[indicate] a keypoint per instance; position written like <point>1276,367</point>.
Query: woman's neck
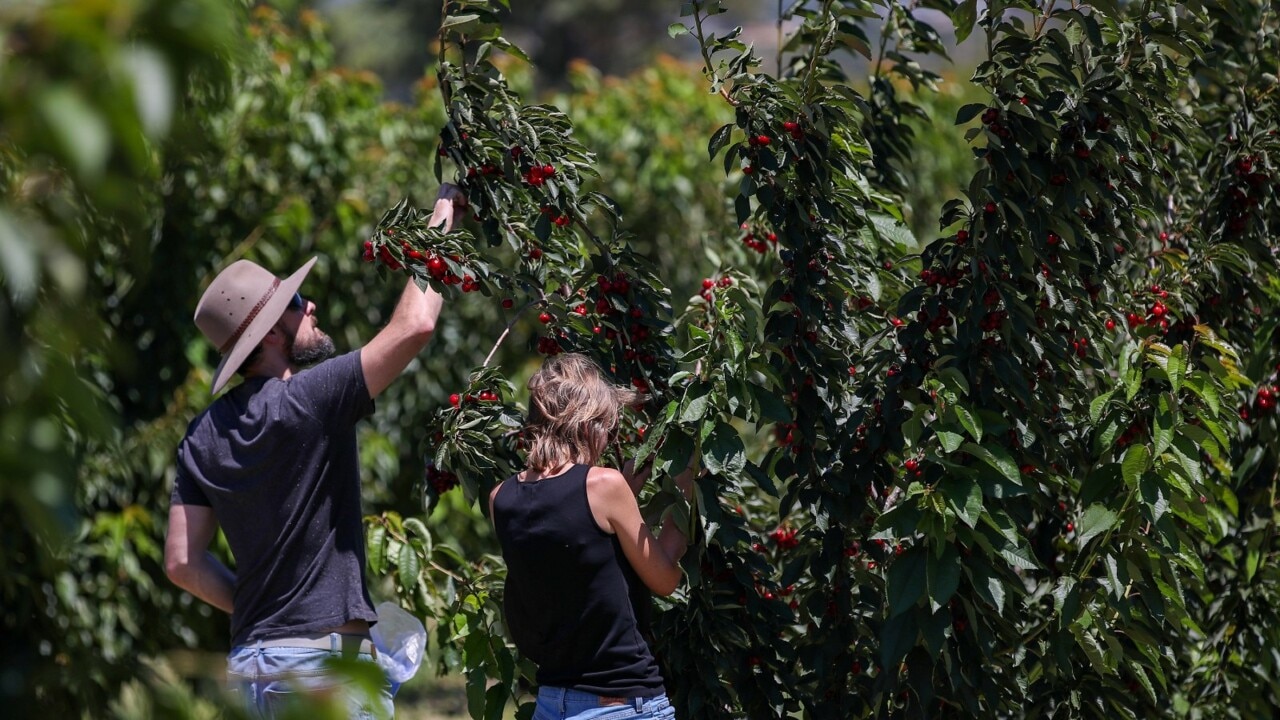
<point>559,469</point>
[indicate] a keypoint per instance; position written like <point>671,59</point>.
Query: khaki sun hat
<point>240,307</point>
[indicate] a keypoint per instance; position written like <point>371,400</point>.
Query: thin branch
<point>542,298</point>
<point>706,56</point>
<point>778,70</point>
<point>1044,18</point>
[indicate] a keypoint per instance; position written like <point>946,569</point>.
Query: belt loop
<point>639,703</point>
<point>333,642</point>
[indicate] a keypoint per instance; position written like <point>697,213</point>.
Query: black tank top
<point>573,603</point>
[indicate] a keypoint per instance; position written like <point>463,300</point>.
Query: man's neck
<point>279,371</point>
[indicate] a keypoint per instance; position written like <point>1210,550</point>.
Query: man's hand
<point>448,202</point>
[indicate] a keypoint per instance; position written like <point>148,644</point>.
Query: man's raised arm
<point>414,320</point>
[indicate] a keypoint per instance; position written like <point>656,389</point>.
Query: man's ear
<point>274,336</point>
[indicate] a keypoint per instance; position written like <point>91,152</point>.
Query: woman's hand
<point>685,479</point>
<point>636,478</point>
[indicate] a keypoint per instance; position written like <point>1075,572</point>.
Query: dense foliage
<point>1022,465</point>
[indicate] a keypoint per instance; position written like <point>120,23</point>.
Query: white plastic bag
<point>401,641</point>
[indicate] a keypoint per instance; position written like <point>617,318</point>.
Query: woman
<point>580,558</point>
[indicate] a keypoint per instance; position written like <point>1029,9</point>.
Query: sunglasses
<point>296,302</point>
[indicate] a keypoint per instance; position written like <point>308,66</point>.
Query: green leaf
<point>771,407</point>
<point>152,87</point>
<point>897,637</point>
<point>20,240</point>
<point>697,402</point>
<point>905,581</point>
<point>969,112</point>
<point>1099,404</point>
<point>675,30</point>
<point>408,565</point>
<point>376,543</point>
<point>998,458</point>
<point>943,576</point>
<point>1176,367</point>
<point>718,139</point>
<point>963,17</point>
<point>1097,519</point>
<point>477,681</point>
<point>964,496</point>
<point>971,423</point>
<point>954,379</point>
<point>950,440</point>
<point>458,22</point>
<point>1019,557</point>
<point>495,701</point>
<point>1162,430</point>
<point>911,430</point>
<point>82,132</point>
<point>1135,462</point>
<point>893,230</point>
<point>723,451</point>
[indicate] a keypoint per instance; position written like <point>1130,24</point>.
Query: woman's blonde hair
<point>573,411</point>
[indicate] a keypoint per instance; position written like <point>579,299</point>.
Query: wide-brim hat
<point>240,307</point>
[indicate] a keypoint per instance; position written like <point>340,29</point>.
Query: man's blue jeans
<point>269,680</point>
<point>566,704</point>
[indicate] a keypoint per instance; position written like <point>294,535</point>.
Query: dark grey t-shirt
<point>277,462</point>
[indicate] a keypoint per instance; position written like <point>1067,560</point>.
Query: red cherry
<point>708,283</point>
<point>1111,324</point>
<point>911,464</point>
<point>748,170</point>
<point>962,236</point>
<point>544,317</point>
<point>548,170</point>
<point>535,253</point>
<point>455,399</point>
<point>508,303</point>
<point>990,207</point>
<point>1071,527</point>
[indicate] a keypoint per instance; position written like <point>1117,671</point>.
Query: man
<point>274,462</point>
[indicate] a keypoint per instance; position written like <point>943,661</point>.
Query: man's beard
<point>319,348</point>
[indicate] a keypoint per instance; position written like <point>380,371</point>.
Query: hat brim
<point>261,325</point>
